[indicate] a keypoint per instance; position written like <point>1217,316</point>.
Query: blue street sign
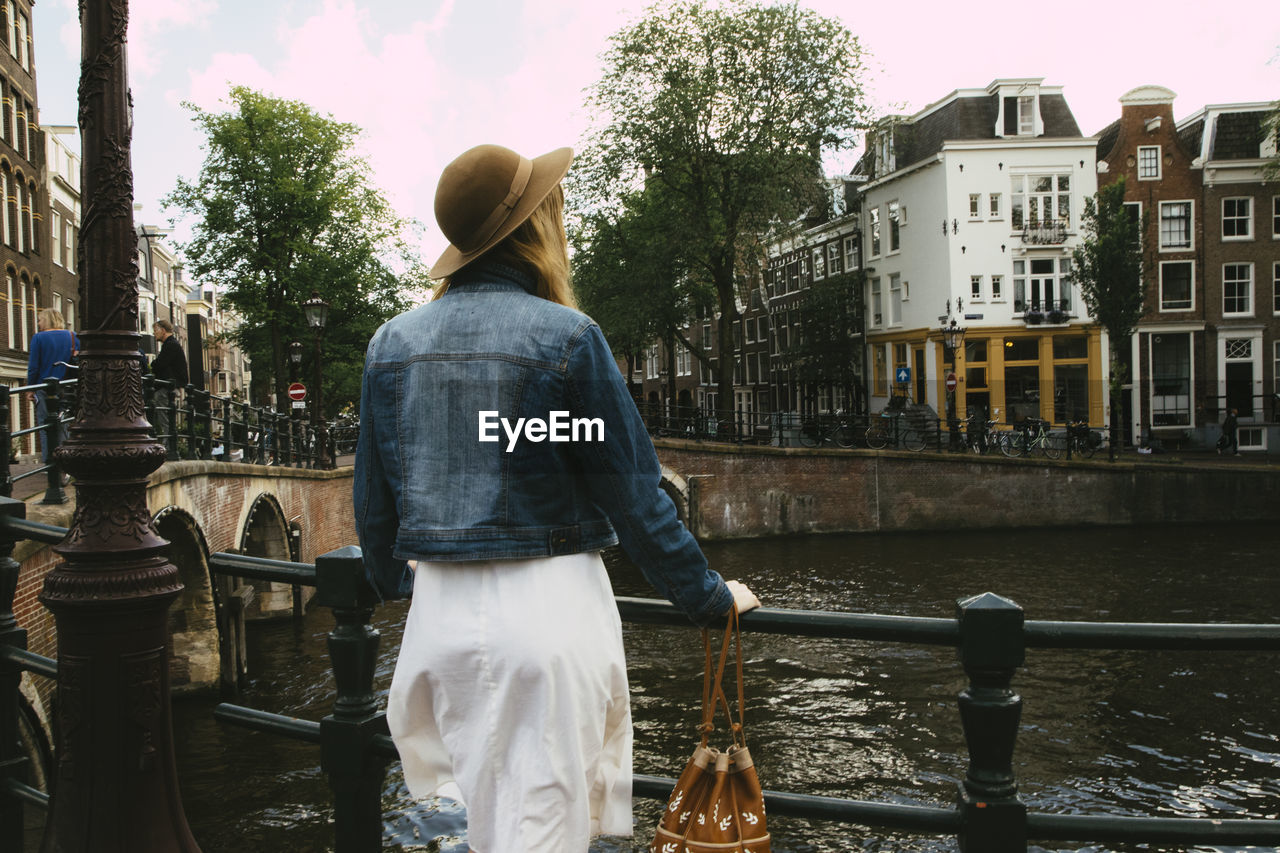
<point>903,375</point>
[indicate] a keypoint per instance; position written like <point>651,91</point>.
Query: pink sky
<point>429,78</point>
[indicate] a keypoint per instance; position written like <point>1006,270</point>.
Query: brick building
<point>1210,336</point>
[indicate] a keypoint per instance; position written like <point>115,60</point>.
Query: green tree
<point>727,109</point>
<point>828,351</point>
<point>1109,272</point>
<point>1271,127</point>
<point>284,208</point>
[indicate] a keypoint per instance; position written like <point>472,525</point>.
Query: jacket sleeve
<point>624,478</point>
<point>377,518</point>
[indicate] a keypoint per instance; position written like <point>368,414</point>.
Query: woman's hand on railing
<point>743,597</point>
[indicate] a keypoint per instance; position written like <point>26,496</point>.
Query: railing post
<point>355,773</point>
<point>991,649</point>
<point>189,399</point>
<point>228,437</point>
<point>13,763</point>
<point>206,417</point>
<point>6,482</point>
<point>53,493</point>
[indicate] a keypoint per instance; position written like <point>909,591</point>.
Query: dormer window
<point>1019,110</point>
<point>1026,115</point>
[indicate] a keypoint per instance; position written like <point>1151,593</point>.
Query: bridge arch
<point>265,533</point>
<point>677,487</point>
<point>196,624</point>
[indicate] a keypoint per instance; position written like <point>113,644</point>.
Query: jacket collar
<point>491,275</point>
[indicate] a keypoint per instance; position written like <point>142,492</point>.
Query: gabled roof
<point>1237,136</point>
<point>972,117</point>
<point>1107,138</point>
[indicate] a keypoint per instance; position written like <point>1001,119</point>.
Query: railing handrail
<point>988,631</point>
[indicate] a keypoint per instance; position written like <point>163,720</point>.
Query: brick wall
<point>740,493</point>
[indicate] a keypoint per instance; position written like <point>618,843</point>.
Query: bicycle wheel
<point>845,436</point>
<point>1052,443</point>
<point>877,436</point>
<point>1084,449</point>
<point>1011,444</point>
<point>914,439</point>
<point>810,434</point>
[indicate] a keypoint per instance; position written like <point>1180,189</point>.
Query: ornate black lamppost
<point>952,340</point>
<point>116,787</point>
<point>317,311</point>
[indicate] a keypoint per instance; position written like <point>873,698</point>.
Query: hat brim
<point>548,171</point>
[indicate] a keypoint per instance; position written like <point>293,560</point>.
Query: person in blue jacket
<point>53,346</point>
<point>499,453</point>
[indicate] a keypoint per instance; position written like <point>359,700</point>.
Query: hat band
<point>500,213</point>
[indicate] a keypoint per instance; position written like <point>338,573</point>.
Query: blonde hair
<point>540,248</point>
<point>51,318</point>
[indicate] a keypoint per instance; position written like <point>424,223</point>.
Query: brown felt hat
<point>486,194</point>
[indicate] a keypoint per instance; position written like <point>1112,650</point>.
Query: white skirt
<point>510,694</point>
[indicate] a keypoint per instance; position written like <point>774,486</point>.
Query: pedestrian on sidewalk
<point>169,366</point>
<point>1230,427</point>
<point>53,347</point>
<point>510,690</point>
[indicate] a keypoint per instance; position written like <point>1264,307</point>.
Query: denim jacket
<point>468,366</point>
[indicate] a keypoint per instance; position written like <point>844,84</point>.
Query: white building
<point>972,209</point>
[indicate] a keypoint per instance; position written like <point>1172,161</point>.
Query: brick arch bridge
<point>203,508</point>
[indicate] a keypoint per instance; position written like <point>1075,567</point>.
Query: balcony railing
<point>1051,233</point>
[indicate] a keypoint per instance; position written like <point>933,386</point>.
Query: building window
<point>1276,367</point>
<point>895,300</point>
<point>69,246</point>
<point>819,264</point>
<point>850,253</point>
<point>879,374</point>
<point>997,288</point>
<point>1042,285</point>
<point>14,310</point>
<point>876,316</point>
<point>1148,162</point>
<point>24,51</point>
<point>1275,217</point>
<point>895,227</point>
<point>1026,115</point>
<point>1237,219</point>
<point>1171,380</point>
<point>652,363</point>
<point>56,234</point>
<point>1175,285</point>
<point>993,206</point>
<point>833,258</point>
<point>975,288</point>
<point>1237,289</point>
<point>1041,200</point>
<point>873,216</point>
<point>975,205</point>
<point>1275,287</point>
<point>1175,225</point>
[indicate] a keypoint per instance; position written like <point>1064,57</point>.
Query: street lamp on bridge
<point>952,339</point>
<point>317,312</point>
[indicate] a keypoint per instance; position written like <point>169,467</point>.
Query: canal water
<point>1103,732</point>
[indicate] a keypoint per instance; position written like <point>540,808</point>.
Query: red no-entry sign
<point>298,392</point>
<point>951,382</point>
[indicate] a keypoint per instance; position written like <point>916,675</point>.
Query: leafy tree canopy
<point>728,108</point>
<point>284,208</point>
<point>1109,273</point>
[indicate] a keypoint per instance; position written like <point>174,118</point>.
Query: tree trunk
<point>724,377</point>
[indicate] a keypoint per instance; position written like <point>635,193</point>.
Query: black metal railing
<point>189,422</point>
<point>988,631</point>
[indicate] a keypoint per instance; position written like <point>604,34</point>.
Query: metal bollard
<point>991,649</point>
<point>355,773</point>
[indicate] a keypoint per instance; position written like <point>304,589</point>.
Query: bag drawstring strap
<point>713,690</point>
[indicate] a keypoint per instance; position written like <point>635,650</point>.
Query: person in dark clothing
<point>169,366</point>
<point>52,348</point>
<point>1230,443</point>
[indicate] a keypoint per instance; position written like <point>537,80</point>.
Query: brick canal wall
<point>765,491</point>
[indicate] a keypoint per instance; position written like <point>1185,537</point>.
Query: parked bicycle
<point>888,429</point>
<point>1083,440</point>
<point>817,431</point>
<point>1030,436</point>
